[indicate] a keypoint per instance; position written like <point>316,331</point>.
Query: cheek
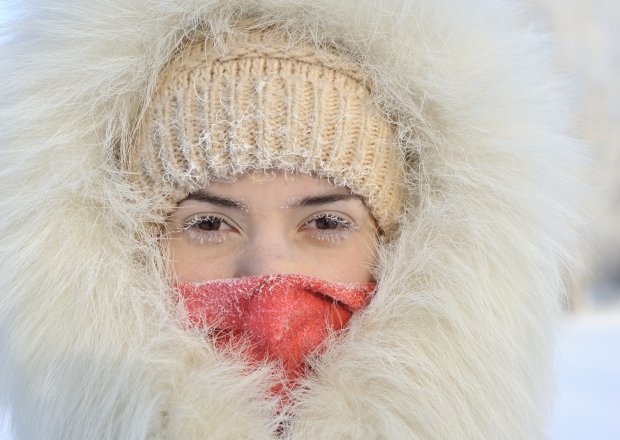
<point>191,264</point>
<point>361,262</point>
<point>351,263</point>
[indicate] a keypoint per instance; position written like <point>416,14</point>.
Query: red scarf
<point>283,317</point>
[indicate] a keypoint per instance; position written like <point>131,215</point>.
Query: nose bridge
<point>265,254</point>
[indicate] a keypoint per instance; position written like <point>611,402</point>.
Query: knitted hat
<point>265,104</point>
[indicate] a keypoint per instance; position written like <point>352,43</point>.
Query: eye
<point>329,226</point>
<point>209,224</point>
<point>208,228</point>
<point>328,222</point>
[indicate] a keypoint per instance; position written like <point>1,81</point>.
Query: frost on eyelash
<point>205,237</point>
<point>333,236</point>
<point>201,237</point>
<point>195,220</point>
<point>333,217</point>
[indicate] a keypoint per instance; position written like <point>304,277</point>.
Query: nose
<point>266,255</point>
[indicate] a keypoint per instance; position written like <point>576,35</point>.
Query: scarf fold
<point>281,318</point>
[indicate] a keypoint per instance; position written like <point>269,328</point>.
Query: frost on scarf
<point>282,317</point>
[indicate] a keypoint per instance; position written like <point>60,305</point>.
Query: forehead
<point>275,184</point>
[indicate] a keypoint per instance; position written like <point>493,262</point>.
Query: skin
<point>272,223</point>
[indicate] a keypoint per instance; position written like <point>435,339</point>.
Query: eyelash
<point>202,236</point>
<point>343,229</point>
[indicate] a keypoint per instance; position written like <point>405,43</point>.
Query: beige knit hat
<point>265,104</point>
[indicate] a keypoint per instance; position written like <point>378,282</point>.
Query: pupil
<point>326,223</point>
<point>212,224</point>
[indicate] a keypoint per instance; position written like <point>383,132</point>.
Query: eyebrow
<point>216,200</point>
<point>306,201</point>
<point>324,199</point>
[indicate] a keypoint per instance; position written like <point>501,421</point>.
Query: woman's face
<point>265,224</point>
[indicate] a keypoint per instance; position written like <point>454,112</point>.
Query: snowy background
<point>587,34</point>
<point>588,378</point>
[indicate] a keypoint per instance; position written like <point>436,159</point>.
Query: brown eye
<point>327,222</point>
<point>328,227</point>
<point>209,224</point>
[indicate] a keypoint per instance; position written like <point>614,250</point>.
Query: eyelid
<point>201,236</point>
<point>346,226</point>
<point>339,218</point>
<point>205,237</point>
<point>193,220</point>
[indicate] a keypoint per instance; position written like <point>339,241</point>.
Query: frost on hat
<point>266,104</point>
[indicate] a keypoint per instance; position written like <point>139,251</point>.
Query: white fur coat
<point>455,345</point>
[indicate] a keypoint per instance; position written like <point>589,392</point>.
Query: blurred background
<point>587,38</point>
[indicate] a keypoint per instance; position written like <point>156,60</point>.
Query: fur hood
<point>457,343</point>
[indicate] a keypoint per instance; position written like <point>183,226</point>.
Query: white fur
<point>457,342</point>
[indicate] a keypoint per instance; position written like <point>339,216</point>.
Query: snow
<point>587,405</point>
<point>5,433</point>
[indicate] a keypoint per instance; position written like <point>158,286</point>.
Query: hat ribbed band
<point>298,109</point>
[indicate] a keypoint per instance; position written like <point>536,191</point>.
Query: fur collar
<point>455,345</point>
